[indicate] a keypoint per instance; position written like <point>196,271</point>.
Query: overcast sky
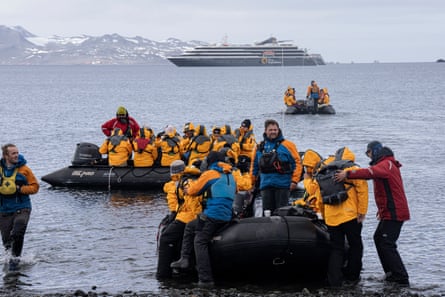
<point>340,30</point>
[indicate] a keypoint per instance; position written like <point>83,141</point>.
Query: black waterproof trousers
<point>385,238</point>
<point>169,248</point>
<point>13,228</point>
<point>350,230</point>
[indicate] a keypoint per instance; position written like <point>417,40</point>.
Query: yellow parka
<point>118,148</point>
<point>227,139</point>
<point>246,141</point>
<point>289,97</point>
<point>324,97</point>
<point>199,146</point>
<point>169,144</point>
<point>311,160</point>
<point>187,207</point>
<point>357,202</point>
<point>145,152</point>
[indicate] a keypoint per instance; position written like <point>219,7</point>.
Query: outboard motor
<point>86,154</point>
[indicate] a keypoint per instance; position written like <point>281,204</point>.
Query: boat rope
<point>144,174</point>
<point>109,179</point>
<point>152,169</point>
<point>282,258</point>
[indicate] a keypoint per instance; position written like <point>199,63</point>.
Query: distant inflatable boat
<point>303,108</point>
<point>83,173</point>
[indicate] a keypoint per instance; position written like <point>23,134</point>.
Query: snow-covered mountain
<point>20,47</point>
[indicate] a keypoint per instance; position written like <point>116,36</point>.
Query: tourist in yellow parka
<point>145,152</point>
<point>183,209</point>
<point>118,148</point>
<point>199,146</point>
<point>311,159</point>
<point>169,144</point>
<point>247,143</point>
<point>324,97</point>
<point>289,97</point>
<point>344,221</point>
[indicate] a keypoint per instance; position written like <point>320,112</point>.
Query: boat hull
<point>274,247</point>
<point>106,177</point>
<point>303,109</point>
<point>245,61</point>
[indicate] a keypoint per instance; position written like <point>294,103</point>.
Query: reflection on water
<point>122,199</point>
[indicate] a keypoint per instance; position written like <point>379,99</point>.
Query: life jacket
<point>333,192</point>
<point>143,140</point>
<point>270,162</point>
<point>246,136</point>
<point>8,185</point>
<point>173,144</point>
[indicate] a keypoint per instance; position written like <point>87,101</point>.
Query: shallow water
<point>78,239</point>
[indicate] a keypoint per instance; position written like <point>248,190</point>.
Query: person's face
<point>122,119</point>
<point>272,131</point>
<point>12,155</point>
<point>369,154</point>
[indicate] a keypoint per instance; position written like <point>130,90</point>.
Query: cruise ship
<point>269,52</point>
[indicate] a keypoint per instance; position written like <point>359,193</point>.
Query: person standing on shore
<point>392,207</point>
<point>277,165</point>
<point>17,183</point>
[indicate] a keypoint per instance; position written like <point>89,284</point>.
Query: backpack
<point>269,162</point>
<point>333,192</point>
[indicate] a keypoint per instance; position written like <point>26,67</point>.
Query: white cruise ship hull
<point>268,53</point>
<point>245,61</point>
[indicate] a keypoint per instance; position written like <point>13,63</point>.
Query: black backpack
<point>331,191</point>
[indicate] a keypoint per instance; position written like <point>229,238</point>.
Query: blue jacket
<point>275,179</point>
<point>222,188</point>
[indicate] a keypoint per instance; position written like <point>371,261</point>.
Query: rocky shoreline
<point>232,292</point>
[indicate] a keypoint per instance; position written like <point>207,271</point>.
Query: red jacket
<point>110,125</point>
<point>389,193</point>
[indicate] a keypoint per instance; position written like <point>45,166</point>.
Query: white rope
<point>109,179</point>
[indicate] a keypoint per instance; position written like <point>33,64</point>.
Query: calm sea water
<point>78,239</point>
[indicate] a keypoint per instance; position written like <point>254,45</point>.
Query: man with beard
<point>277,164</point>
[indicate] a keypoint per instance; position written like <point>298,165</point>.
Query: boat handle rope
<point>142,175</point>
<point>282,259</point>
<point>109,178</point>
<point>152,169</point>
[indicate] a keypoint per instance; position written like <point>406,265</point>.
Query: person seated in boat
<point>311,160</point>
<point>128,125</point>
<point>242,205</point>
<point>168,144</point>
<point>227,139</point>
<point>188,133</point>
<point>247,143</point>
<point>118,148</point>
<point>216,133</point>
<point>289,97</point>
<point>324,97</point>
<point>144,151</point>
<point>183,209</point>
<point>344,208</point>
<point>313,91</point>
<point>198,148</point>
<point>220,185</point>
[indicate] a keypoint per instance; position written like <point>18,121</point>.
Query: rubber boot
<point>182,263</point>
